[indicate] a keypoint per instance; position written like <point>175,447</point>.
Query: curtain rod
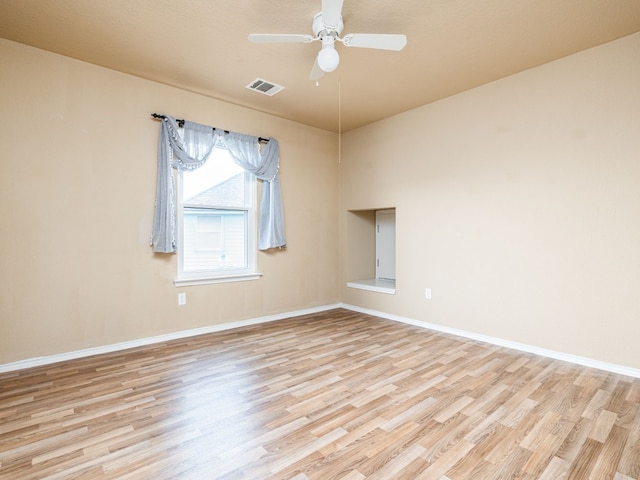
<point>180,123</point>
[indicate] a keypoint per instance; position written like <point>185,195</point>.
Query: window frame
<point>206,276</point>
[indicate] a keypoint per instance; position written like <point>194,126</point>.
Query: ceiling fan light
<point>328,58</point>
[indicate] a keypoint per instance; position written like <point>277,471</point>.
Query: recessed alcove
<point>370,263</point>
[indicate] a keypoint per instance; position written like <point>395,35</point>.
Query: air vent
<point>262,86</point>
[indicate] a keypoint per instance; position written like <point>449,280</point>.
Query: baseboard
<point>566,357</point>
<point>40,361</point>
<point>587,362</point>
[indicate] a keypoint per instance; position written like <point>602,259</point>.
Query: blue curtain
<point>245,150</point>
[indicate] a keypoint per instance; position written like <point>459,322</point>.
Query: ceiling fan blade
<point>380,41</point>
<point>331,12</point>
<point>279,38</point>
<point>316,71</point>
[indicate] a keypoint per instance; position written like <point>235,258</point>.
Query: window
<point>216,222</point>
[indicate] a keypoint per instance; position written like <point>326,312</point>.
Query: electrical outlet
<point>427,293</point>
<point>182,298</point>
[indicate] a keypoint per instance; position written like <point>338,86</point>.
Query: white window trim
<point>219,279</point>
<point>209,277</point>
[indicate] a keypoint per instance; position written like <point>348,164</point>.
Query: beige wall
<point>77,190</point>
<point>517,203</point>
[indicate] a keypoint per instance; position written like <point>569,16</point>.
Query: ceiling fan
<point>327,26</point>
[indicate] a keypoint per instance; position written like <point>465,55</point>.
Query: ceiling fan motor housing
<point>320,29</point>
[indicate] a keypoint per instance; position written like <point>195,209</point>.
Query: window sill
<point>184,282</point>
<point>375,285</point>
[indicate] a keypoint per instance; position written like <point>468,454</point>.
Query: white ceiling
<point>202,46</point>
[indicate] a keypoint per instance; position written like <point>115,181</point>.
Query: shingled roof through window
<point>228,193</point>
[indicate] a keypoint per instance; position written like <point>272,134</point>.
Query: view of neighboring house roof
<point>228,193</point>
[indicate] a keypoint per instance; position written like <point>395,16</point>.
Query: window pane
<point>209,232</point>
<point>214,239</point>
<point>218,183</point>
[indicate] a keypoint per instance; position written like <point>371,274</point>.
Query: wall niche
<point>371,249</point>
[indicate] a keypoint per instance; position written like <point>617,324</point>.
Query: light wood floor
<point>336,395</point>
